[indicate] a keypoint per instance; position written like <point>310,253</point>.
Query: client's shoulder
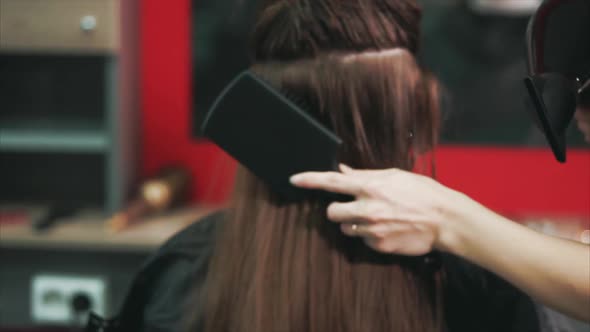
<point>173,271</point>
<point>198,235</point>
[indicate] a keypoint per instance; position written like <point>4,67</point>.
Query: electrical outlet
<point>66,299</point>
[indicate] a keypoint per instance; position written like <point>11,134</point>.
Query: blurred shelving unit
<point>68,105</point>
<point>81,245</point>
<point>68,138</point>
<point>87,232</point>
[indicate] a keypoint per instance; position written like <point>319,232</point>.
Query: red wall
<point>509,180</point>
<point>165,102</point>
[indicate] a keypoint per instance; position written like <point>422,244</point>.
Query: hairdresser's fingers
<point>408,243</point>
<point>345,212</point>
<point>360,210</point>
<point>365,210</point>
<point>328,181</point>
<point>345,169</point>
<point>380,231</point>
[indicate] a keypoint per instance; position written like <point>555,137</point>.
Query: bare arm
<point>554,271</point>
<point>409,214</point>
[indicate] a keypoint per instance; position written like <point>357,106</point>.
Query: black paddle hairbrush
<point>270,134</point>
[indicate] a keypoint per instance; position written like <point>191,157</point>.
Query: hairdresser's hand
<point>583,117</point>
<point>395,211</point>
<point>405,213</point>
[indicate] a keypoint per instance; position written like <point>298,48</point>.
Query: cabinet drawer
<point>59,25</point>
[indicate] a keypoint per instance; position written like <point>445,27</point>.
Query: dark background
<point>480,59</point>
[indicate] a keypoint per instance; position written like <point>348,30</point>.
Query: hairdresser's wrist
<point>472,230</point>
<point>460,223</point>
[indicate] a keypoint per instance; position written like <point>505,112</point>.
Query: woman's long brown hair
<point>280,266</point>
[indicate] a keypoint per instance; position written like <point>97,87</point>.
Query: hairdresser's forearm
<point>554,271</point>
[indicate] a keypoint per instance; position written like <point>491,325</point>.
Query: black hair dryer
<point>558,56</point>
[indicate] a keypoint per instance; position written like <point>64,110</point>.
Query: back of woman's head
<point>295,29</point>
<point>282,266</point>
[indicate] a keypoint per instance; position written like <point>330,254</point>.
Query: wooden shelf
<point>88,231</point>
<point>60,25</point>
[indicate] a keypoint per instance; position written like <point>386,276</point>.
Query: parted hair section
<point>382,104</point>
<point>295,29</point>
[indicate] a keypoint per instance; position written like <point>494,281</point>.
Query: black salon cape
<point>475,300</point>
